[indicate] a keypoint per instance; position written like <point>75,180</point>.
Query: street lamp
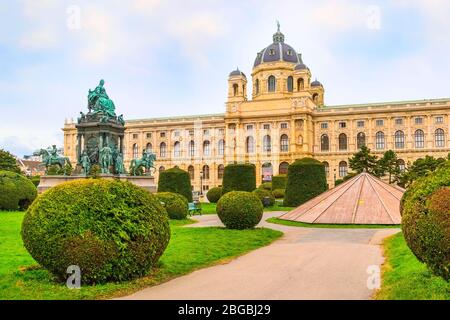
<point>335,176</point>
<point>201,183</point>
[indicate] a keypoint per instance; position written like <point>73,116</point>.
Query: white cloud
<point>42,38</point>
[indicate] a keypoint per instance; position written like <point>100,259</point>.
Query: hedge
<point>279,182</point>
<point>16,191</point>
<point>239,210</point>
<point>175,204</point>
<point>214,194</point>
<point>425,208</point>
<point>278,193</point>
<point>262,194</point>
<point>239,177</point>
<point>265,186</point>
<point>175,180</point>
<point>113,230</point>
<point>306,179</point>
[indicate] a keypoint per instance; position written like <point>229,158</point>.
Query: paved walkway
<point>306,263</point>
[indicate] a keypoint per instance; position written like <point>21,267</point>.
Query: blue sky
<point>172,57</point>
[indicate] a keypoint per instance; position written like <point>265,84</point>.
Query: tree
<point>363,161</point>
<point>388,165</point>
<point>8,162</point>
<point>419,168</point>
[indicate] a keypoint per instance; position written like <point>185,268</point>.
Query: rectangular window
<point>162,134</point>
<point>284,125</point>
<point>379,123</point>
<point>439,119</point>
<point>398,121</point>
<point>266,127</point>
<point>324,125</point>
<point>221,131</point>
<point>249,127</point>
<point>149,135</point>
<point>177,133</point>
<point>342,125</point>
<point>360,124</point>
<point>418,120</point>
<point>135,135</point>
<point>191,132</point>
<point>206,132</point>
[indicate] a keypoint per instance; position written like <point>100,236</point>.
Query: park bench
<point>194,207</point>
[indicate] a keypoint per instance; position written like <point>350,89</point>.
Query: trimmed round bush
<point>239,210</point>
<point>262,194</point>
<point>425,208</point>
<point>279,182</point>
<point>175,204</point>
<point>306,179</point>
<point>113,230</point>
<point>214,194</point>
<point>175,180</point>
<point>265,186</point>
<point>35,180</point>
<point>239,177</point>
<point>278,193</point>
<point>16,191</point>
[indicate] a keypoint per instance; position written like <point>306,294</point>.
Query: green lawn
<point>405,278</point>
<point>189,249</point>
<point>210,208</point>
<point>335,226</point>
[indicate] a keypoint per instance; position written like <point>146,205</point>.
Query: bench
<point>194,207</point>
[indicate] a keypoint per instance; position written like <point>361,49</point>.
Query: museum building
<point>285,119</point>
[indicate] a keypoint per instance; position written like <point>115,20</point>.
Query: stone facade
<point>285,119</point>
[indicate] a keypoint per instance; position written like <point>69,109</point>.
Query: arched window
<point>284,143</point>
<point>327,168</point>
<point>439,138</point>
<point>149,147</point>
<point>257,86</point>
<point>360,140</point>
<point>205,172</point>
<point>283,168</point>
<point>177,149</point>
<point>315,98</point>
<point>135,151</point>
<point>161,169</point>
<point>221,147</point>
<point>191,148</point>
<point>401,165</point>
<point>235,89</point>
<point>419,139</point>
<point>290,84</point>
<point>220,170</point>
<point>162,150</point>
<point>271,84</point>
<point>206,148</point>
<point>267,172</point>
<point>379,140</point>
<point>191,172</point>
<point>324,143</point>
<point>300,140</point>
<point>300,84</point>
<point>267,143</point>
<point>342,169</point>
<point>399,139</point>
<point>342,142</point>
<point>250,144</point>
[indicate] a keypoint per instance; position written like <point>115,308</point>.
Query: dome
<point>316,83</point>
<point>237,72</point>
<point>277,51</point>
<point>301,65</point>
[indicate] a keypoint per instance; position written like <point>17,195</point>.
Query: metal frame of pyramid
<point>363,199</point>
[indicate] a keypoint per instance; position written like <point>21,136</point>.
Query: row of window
<point>177,149</point>
<point>267,144</point>
<point>380,122</point>
<point>177,133</point>
<point>204,173</point>
<point>380,140</point>
<point>343,167</point>
<point>272,84</point>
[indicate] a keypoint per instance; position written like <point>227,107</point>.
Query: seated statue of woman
<point>99,101</point>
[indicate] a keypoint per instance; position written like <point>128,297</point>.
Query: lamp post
<point>334,176</point>
<point>201,183</point>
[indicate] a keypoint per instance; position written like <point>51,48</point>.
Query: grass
<point>406,278</point>
<point>210,208</point>
<point>332,226</point>
<point>189,249</point>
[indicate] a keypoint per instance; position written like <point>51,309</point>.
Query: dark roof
<point>316,83</point>
<point>277,51</point>
<point>237,72</point>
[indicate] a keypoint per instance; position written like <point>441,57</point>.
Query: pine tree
<point>363,160</point>
<point>8,162</point>
<point>388,165</point>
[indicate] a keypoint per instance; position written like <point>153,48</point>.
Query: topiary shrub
<point>239,210</point>
<point>425,208</point>
<point>175,180</point>
<point>306,180</point>
<point>16,191</point>
<point>112,230</point>
<point>279,182</point>
<point>35,180</point>
<point>176,205</point>
<point>262,194</point>
<point>338,182</point>
<point>214,194</point>
<point>265,186</point>
<point>95,171</point>
<point>278,193</point>
<point>239,177</point>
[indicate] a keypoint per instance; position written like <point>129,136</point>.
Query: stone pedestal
<point>146,182</point>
